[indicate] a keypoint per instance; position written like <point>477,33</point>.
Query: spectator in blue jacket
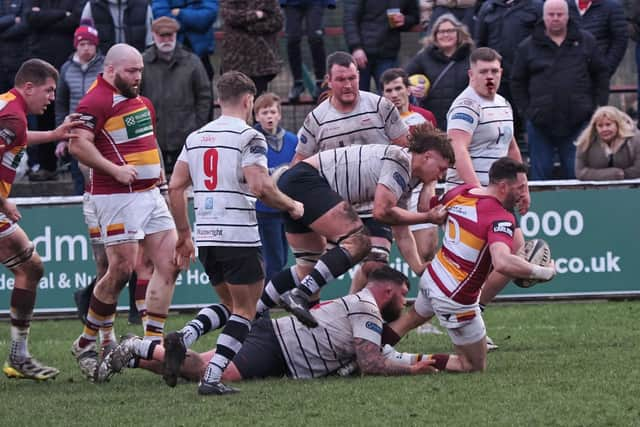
<point>196,18</point>
<point>605,20</point>
<point>282,147</point>
<point>311,12</point>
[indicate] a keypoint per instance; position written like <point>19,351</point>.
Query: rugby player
<point>478,236</point>
<point>34,90</point>
<point>226,163</point>
<point>395,87</point>
<point>117,140</point>
<point>348,117</point>
<point>328,184</point>
<point>350,330</point>
<point>480,124</point>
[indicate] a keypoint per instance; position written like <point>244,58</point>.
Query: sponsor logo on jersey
<point>400,180</point>
<point>138,123</point>
<point>216,232</point>
<point>462,116</point>
<point>505,227</point>
<point>7,136</point>
<point>374,327</point>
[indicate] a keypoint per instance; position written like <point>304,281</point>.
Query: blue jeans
<point>375,67</point>
<point>542,148</point>
<point>275,249</point>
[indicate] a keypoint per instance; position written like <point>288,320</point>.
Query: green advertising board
<point>591,233</point>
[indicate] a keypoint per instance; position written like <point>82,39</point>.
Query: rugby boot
<point>87,358</point>
<point>296,302</point>
<point>491,345</point>
<point>117,359</point>
<point>206,388</point>
<point>174,353</point>
<point>30,369</point>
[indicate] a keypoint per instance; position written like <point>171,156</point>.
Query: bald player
<point>117,140</point>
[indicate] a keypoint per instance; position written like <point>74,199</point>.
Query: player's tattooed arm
<point>372,362</point>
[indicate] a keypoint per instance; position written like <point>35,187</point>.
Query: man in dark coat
<point>177,84</point>
<point>559,78</point>
<point>13,40</point>
<point>372,32</point>
<point>605,20</point>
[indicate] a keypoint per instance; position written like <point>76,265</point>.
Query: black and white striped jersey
<point>374,120</point>
<point>490,123</point>
<point>355,172</point>
<point>317,352</point>
<point>224,207</point>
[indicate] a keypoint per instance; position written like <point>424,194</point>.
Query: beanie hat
<point>85,32</point>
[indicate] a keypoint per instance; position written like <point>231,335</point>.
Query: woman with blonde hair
<point>445,61</point>
<point>609,148</point>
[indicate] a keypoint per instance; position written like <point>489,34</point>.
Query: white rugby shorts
<point>7,227</point>
<point>464,323</point>
<point>91,219</point>
<point>129,217</point>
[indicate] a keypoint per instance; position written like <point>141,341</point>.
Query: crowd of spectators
<point>558,58</point>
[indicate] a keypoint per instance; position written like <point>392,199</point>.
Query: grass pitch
<point>569,364</point>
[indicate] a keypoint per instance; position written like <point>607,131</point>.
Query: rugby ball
<point>538,252</point>
<point>420,80</point>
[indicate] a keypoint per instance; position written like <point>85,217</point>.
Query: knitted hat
<point>85,32</point>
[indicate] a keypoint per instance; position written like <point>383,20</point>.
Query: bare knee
<point>120,272</point>
<point>30,272</point>
<point>34,268</point>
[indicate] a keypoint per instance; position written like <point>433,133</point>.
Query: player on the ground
<point>226,162</point>
<point>480,124</point>
<point>117,140</point>
<point>34,90</point>
<point>395,87</point>
<point>478,237</point>
<point>353,117</point>
<point>350,330</point>
<point>328,184</point>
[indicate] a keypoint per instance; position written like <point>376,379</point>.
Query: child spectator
<point>282,145</point>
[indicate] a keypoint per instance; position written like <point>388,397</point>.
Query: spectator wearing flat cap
<point>178,85</point>
<point>196,18</point>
